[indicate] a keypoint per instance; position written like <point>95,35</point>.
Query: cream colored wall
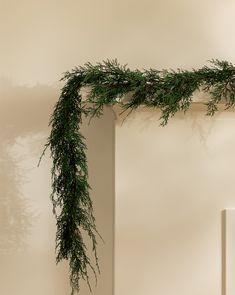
<point>27,227</point>
<point>42,39</point>
<point>39,41</point>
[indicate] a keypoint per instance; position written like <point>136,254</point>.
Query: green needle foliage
<point>169,91</point>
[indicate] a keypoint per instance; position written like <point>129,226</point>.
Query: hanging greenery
<point>170,91</point>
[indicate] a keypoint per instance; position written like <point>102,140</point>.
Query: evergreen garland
<point>170,91</point>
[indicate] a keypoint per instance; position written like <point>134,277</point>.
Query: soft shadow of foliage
<point>23,113</point>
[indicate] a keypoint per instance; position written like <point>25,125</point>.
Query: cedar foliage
<point>170,91</point>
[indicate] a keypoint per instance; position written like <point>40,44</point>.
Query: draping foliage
<point>167,90</point>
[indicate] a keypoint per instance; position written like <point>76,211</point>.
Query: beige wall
<point>42,39</point>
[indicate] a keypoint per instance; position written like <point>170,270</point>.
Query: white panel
<point>228,252</point>
<point>172,184</point>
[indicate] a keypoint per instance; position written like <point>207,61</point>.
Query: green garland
<point>170,91</point>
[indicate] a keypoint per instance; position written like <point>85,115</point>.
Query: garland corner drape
<point>169,91</point>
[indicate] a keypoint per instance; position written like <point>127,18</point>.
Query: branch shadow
<point>24,113</point>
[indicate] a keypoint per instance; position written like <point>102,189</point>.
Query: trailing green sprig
<point>169,91</point>
<point>70,186</point>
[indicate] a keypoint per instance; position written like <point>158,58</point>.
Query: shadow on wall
<point>24,112</point>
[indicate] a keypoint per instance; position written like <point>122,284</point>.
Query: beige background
<point>181,253</point>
